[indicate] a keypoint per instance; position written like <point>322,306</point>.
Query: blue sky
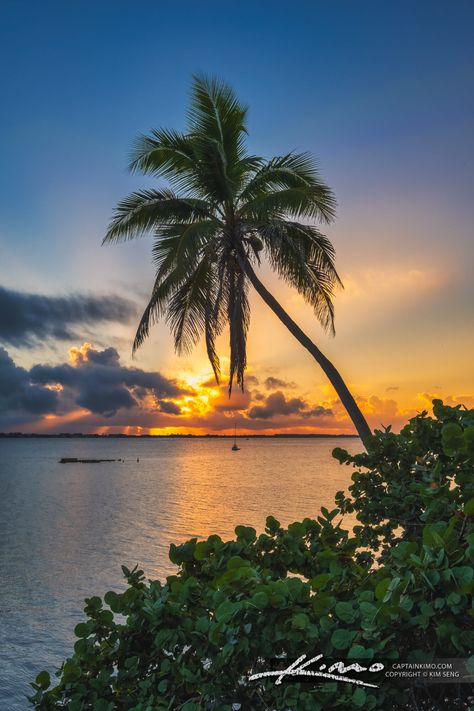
<point>369,87</point>
<point>381,92</point>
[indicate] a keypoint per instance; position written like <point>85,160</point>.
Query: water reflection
<point>65,530</point>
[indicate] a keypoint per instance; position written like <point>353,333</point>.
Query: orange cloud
<point>96,393</point>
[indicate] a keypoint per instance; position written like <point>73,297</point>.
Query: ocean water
<point>65,529</point>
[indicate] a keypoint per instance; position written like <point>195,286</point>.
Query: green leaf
<point>215,633</point>
<point>342,639</point>
<point>246,533</point>
<point>381,588</point>
<point>359,697</point>
<point>226,611</point>
<point>431,537</point>
<point>112,599</point>
<point>404,550</point>
<point>237,562</point>
<point>272,525</point>
<point>469,508</point>
<point>319,581</point>
<point>300,621</point>
<point>202,625</point>
<point>106,617</point>
<point>360,653</point>
<point>322,602</point>
<point>202,550</point>
<point>94,602</point>
<point>452,438</point>
<point>367,610</point>
<point>453,599</point>
<point>345,611</point>
<point>81,630</point>
<point>469,440</point>
<point>260,600</point>
<point>297,530</point>
<point>464,575</point>
<point>43,680</point>
<point>340,454</point>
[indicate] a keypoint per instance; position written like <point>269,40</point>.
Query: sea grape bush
<point>397,587</point>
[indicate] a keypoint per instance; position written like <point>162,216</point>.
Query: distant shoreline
<point>78,435</point>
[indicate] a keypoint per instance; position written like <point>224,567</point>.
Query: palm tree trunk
<point>335,378</point>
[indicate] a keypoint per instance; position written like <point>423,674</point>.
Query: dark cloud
<point>19,398</point>
<point>169,407</point>
<point>93,380</point>
<point>318,411</point>
<point>100,384</point>
<point>26,319</point>
<point>94,389</point>
<point>107,357</point>
<point>272,383</point>
<point>277,404</point>
<point>392,387</point>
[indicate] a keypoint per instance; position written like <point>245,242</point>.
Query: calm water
<point>66,529</point>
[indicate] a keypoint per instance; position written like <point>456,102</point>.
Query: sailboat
<point>235,448</point>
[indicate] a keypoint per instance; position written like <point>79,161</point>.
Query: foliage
<point>221,211</point>
<point>398,588</point>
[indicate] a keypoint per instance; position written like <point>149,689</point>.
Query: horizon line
<point>78,435</point>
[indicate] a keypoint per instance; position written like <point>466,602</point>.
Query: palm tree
<point>223,210</point>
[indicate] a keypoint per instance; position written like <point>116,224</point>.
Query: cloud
<point>169,407</point>
<point>392,388</point>
<point>238,402</point>
<point>318,411</point>
<point>451,400</point>
<point>19,398</point>
<point>277,404</point>
<point>27,319</point>
<point>97,382</point>
<point>272,383</point>
<point>93,391</point>
<point>379,406</point>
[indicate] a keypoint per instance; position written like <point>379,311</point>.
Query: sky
<point>381,94</point>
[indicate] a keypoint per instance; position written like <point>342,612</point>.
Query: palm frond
<point>163,153</point>
<point>217,124</point>
<point>238,310</point>
<point>295,202</point>
<point>155,309</point>
<point>216,112</point>
<point>152,209</point>
<point>211,331</point>
<point>186,311</point>
<point>293,178</point>
<point>182,243</point>
<point>304,258</point>
<point>181,285</point>
<point>223,202</point>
